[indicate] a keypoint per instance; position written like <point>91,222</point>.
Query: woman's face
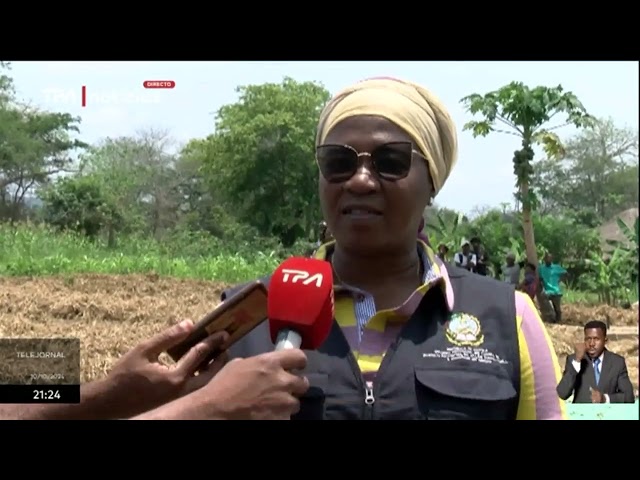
<point>366,212</point>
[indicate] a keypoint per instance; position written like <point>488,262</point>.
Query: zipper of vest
<point>369,399</point>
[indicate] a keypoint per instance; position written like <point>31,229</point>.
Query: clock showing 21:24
<point>44,395</point>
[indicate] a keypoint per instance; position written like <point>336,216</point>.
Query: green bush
<point>38,250</point>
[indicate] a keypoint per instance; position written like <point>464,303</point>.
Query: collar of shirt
<point>601,358</point>
<point>435,272</point>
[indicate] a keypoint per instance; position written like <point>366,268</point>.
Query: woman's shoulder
<point>455,272</point>
<point>480,287</point>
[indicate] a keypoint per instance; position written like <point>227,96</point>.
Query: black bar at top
<point>39,393</point>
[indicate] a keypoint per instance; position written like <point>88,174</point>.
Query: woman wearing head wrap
<point>455,345</point>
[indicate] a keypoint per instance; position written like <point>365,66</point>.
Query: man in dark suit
<point>594,374</point>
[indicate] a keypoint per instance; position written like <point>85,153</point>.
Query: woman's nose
<point>363,181</point>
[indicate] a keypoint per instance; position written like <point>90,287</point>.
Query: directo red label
<point>159,84</point>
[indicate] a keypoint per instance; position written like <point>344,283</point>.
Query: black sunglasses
<point>390,161</point>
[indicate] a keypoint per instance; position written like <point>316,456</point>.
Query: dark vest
<point>434,370</point>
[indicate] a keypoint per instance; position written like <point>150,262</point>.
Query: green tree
<point>526,112</point>
<point>597,178</point>
<point>34,146</point>
<point>79,204</point>
<point>138,173</point>
<point>261,158</point>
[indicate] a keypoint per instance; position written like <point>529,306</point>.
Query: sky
<point>117,103</point>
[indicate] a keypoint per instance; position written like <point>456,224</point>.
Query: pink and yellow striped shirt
<point>370,332</point>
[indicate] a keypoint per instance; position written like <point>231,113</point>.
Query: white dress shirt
<point>464,260</point>
<point>576,366</point>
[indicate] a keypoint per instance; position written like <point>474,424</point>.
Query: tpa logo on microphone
<point>300,276</point>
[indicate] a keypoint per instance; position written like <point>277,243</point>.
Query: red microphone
<point>300,303</point>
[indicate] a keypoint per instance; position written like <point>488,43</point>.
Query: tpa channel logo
<point>86,96</point>
<point>300,276</point>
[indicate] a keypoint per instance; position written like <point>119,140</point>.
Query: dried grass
<point>578,314</point>
<point>111,314</point>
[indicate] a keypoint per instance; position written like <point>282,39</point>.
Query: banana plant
<point>631,246</point>
<point>516,248</point>
<point>609,277</point>
<point>447,233</point>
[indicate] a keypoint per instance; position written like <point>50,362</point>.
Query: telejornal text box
<point>39,361</point>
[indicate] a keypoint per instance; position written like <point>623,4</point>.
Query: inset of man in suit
<point>594,374</point>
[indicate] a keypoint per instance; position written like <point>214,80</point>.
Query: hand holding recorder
<point>300,310</point>
<point>139,382</point>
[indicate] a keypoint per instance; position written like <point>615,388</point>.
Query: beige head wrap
<point>413,108</point>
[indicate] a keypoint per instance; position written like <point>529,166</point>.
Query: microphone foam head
<point>301,299</point>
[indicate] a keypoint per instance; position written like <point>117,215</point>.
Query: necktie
<point>596,369</point>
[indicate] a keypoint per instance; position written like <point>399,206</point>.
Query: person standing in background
<point>443,252</point>
<point>551,274</point>
<point>531,282</point>
<point>482,258</point>
<point>324,235</point>
<point>466,258</point>
<point>511,271</point>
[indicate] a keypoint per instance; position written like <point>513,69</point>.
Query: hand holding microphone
<point>260,387</point>
<point>254,388</point>
<point>300,312</point>
<point>300,308</point>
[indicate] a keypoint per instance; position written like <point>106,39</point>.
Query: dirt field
<point>111,314</point>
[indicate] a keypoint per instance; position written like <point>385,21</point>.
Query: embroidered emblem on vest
<point>464,330</point>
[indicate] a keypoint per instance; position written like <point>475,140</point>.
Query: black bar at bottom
<point>39,393</point>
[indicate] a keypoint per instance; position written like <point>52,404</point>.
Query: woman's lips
<point>360,211</point>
